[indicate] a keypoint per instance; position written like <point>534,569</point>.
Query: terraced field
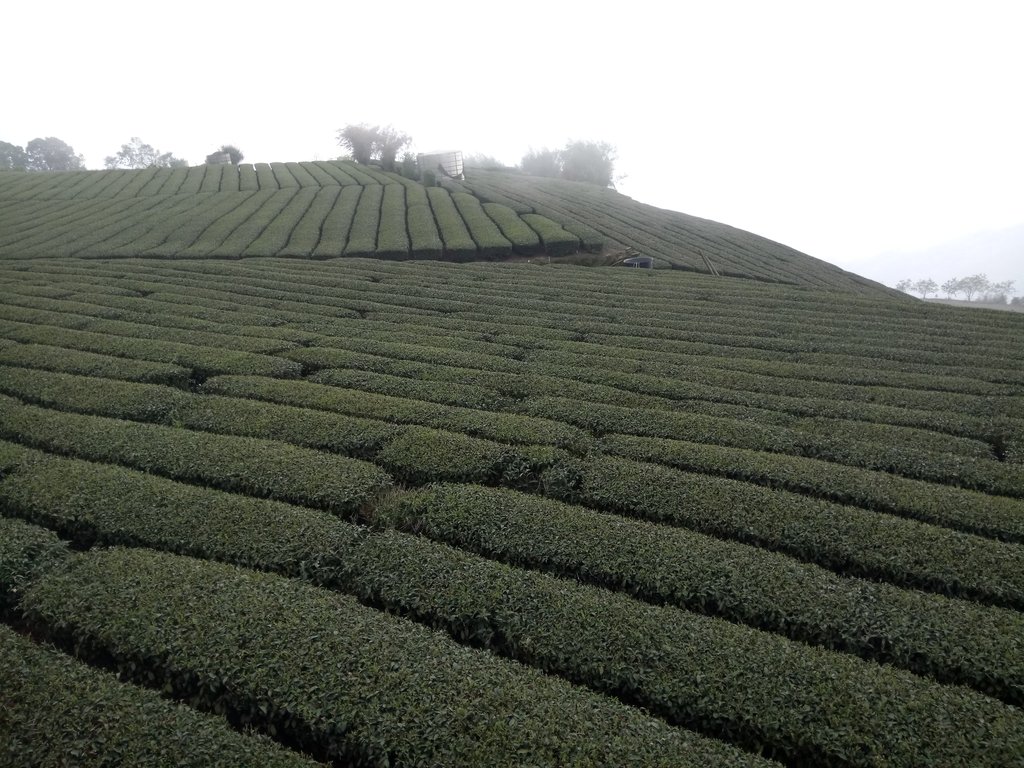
<point>421,513</point>
<point>326,210</point>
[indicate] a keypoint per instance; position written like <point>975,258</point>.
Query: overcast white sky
<point>847,130</point>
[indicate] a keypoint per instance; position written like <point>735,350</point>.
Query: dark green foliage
<point>426,242</point>
<point>91,364</point>
<point>249,231</point>
<point>744,450</point>
<point>970,511</point>
<point>202,360</point>
<point>501,427</point>
<point>392,237</point>
<point>278,230</point>
<point>956,641</point>
<point>524,239</point>
<point>458,244</point>
<point>26,551</point>
<point>339,678</point>
<point>362,239</point>
<point>556,240</point>
<point>92,503</point>
<point>257,467</point>
<point>490,241</point>
<point>305,236</point>
<point>845,539</point>
<point>59,711</point>
<point>335,229</point>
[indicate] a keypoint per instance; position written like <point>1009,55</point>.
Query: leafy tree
<point>542,162</point>
<point>589,161</point>
<point>12,157</point>
<point>52,154</point>
<point>374,142</point>
<point>926,286</point>
<point>136,154</point>
<point>905,285</point>
<point>952,287</point>
<point>228,153</point>
<point>359,140</point>
<point>387,143</point>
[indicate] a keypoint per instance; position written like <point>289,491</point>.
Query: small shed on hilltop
<point>446,162</point>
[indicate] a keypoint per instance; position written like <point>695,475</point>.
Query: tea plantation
<point>282,483</point>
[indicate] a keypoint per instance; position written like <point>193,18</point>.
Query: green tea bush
<point>556,240</point>
<point>59,711</point>
<point>458,244</point>
<point>356,685</point>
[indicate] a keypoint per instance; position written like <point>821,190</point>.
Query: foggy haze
<point>851,132</point>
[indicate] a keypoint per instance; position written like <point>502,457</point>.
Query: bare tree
<point>925,287</point>
<point>975,284</point>
<point>952,287</point>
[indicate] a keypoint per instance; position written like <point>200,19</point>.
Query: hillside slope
<point>424,513</point>
<point>327,210</point>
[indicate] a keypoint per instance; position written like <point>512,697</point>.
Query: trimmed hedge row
<point>335,230</point>
<point>26,551</point>
<point>556,240</point>
<point>205,361</point>
<point>603,418</point>
<point>248,231</point>
<point>353,684</point>
<point>524,240</point>
<point>963,510</point>
<point>490,241</point>
<point>452,392</point>
<point>342,349</point>
<point>502,427</point>
<point>306,235</point>
<point>539,619</point>
<point>67,317</point>
<point>392,238</point>
<point>413,454</point>
<point>216,233</point>
<point>58,711</point>
<point>844,539</point>
<point>278,230</point>
<point>426,241</point>
<point>951,640</point>
<point>92,503</point>
<point>808,405</point>
<point>702,380</point>
<point>92,364</point>
<point>362,238</point>
<point>180,217</point>
<point>458,244</point>
<point>253,466</point>
<point>807,706</point>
